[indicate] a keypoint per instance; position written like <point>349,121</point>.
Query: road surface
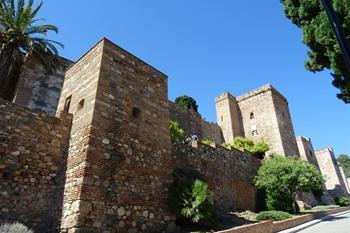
<point>337,223</point>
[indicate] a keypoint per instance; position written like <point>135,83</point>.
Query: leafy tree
<point>189,196</point>
<point>176,133</point>
<point>187,102</point>
<point>324,53</point>
<point>282,177</point>
<point>20,41</point>
<point>344,162</point>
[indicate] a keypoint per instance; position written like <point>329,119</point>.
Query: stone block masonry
<point>262,114</point>
<point>32,161</point>
<point>39,90</point>
<point>229,173</point>
<point>119,163</point>
<point>331,172</point>
<point>193,123</point>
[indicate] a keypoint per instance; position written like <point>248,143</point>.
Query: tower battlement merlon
<point>301,138</point>
<point>262,89</point>
<point>327,149</point>
<point>223,96</point>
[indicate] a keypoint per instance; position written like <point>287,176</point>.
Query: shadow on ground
<point>223,221</point>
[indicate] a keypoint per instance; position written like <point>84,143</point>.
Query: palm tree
<point>20,40</point>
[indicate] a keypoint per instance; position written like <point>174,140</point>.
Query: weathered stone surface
<point>193,123</point>
<point>31,191</point>
<point>234,171</point>
<point>262,114</point>
<point>41,91</point>
<point>120,151</point>
<point>335,183</point>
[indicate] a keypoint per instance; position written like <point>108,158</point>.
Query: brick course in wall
<point>32,161</point>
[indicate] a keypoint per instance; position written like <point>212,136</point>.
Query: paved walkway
<point>336,223</point>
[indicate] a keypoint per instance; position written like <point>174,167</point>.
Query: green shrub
<point>260,148</point>
<point>242,143</point>
<point>227,145</point>
<point>187,102</point>
<point>189,197</point>
<point>176,133</point>
<point>273,215</point>
<point>283,177</point>
<point>342,201</point>
<point>14,228</point>
<point>207,142</point>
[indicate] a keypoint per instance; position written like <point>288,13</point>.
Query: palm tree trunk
<point>11,63</point>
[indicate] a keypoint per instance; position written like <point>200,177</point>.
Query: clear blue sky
<point>207,47</point>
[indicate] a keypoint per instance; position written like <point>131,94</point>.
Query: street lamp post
<point>338,31</point>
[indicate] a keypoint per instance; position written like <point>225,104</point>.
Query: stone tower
<point>306,150</point>
<point>229,116</point>
<point>330,170</point>
<point>120,151</point>
<point>264,116</point>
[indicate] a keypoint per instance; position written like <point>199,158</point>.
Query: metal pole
<point>338,31</point>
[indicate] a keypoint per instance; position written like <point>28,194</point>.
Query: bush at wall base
<point>342,201</point>
<point>190,199</point>
<point>14,228</point>
<point>273,215</point>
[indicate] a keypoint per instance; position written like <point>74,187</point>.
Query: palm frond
<point>36,10</point>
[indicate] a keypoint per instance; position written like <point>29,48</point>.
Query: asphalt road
<point>339,223</point>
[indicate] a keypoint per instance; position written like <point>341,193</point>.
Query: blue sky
<point>207,47</point>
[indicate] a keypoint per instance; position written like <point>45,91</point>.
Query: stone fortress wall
<point>234,172</point>
<point>33,153</point>
<point>117,165</point>
<point>335,183</point>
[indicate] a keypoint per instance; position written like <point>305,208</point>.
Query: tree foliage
<point>190,197</point>
<point>176,133</point>
<point>282,177</point>
<point>187,102</point>
<point>324,53</point>
<point>21,39</point>
<point>344,162</point>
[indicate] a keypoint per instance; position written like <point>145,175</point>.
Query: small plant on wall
<point>207,142</point>
<point>242,143</point>
<point>176,133</point>
<point>190,199</point>
<point>187,102</point>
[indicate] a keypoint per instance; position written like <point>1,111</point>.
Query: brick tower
<point>120,151</point>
